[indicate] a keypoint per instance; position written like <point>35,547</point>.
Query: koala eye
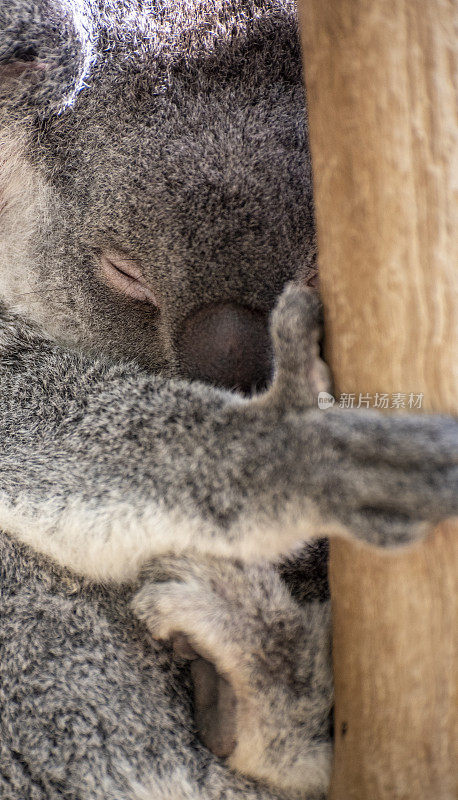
<point>125,277</point>
<point>25,53</point>
<point>23,61</point>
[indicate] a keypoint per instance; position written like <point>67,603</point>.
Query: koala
<point>163,459</point>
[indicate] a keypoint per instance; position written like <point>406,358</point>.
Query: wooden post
<point>383,127</point>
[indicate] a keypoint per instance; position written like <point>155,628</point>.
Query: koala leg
<point>260,664</point>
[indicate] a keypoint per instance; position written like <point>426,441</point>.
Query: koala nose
<point>227,345</point>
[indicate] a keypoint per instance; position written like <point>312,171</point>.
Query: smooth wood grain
<point>381,86</point>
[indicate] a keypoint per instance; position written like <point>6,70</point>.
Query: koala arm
<point>103,466</point>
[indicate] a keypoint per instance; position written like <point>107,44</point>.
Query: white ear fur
<point>46,51</point>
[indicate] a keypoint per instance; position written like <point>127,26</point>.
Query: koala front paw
<point>296,326</point>
<point>382,478</point>
<point>386,478</point>
<point>260,665</point>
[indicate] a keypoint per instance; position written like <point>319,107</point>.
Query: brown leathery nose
<point>227,345</point>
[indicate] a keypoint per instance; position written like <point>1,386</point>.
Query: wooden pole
<point>381,84</point>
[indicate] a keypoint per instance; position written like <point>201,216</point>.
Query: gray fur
<point>272,652</point>
<point>187,152</point>
<point>174,133</point>
<point>90,709</point>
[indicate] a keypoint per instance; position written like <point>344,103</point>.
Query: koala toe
<point>215,708</point>
<point>182,647</point>
<point>215,701</point>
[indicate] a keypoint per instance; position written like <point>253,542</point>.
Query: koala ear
<point>46,51</point>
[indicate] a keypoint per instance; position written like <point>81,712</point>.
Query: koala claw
<point>260,665</point>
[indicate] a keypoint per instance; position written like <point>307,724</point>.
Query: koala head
<point>155,185</point>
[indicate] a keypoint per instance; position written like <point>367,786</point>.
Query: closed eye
<point>125,277</point>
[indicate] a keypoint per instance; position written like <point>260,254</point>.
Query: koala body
<point>155,200</point>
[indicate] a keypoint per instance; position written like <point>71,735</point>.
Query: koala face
<point>155,189</point>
